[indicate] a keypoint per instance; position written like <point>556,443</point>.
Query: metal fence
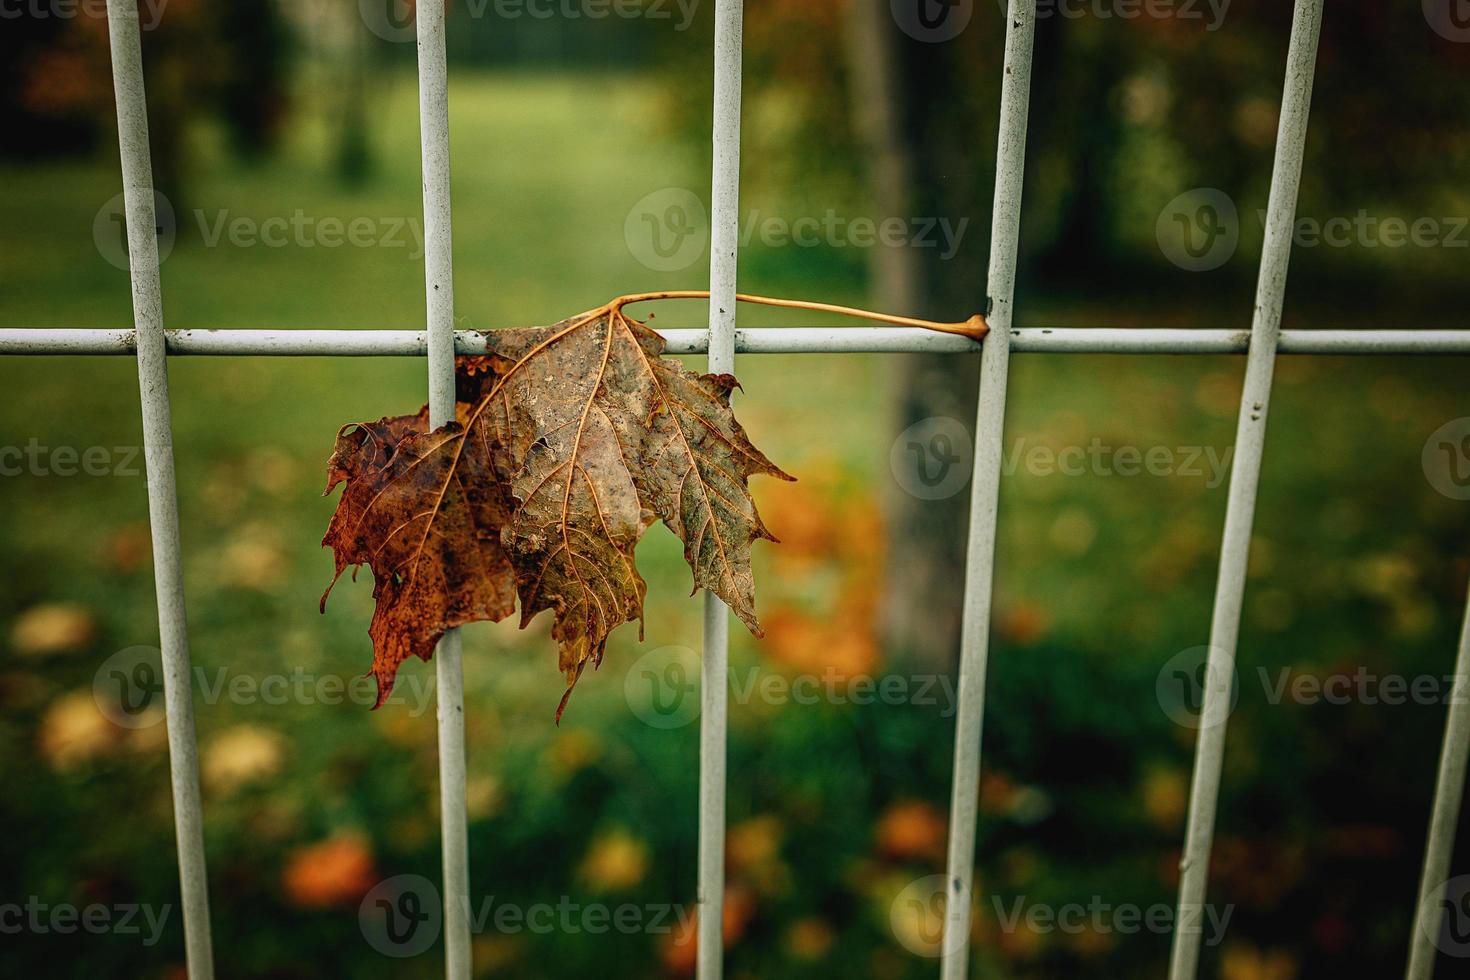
<point>1261,344</point>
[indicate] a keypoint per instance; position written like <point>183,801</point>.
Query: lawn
<point>310,799</point>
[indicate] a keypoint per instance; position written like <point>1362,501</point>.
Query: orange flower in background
<point>129,548</point>
<point>997,791</point>
<point>799,515</point>
<point>817,644</point>
<point>1092,942</point>
<point>1165,797</point>
<point>1000,794</point>
<point>912,830</point>
<point>1023,622</point>
<point>679,949</point>
<point>753,855</point>
<point>829,566</point>
<point>336,871</point>
<point>573,750</point>
<point>1256,871</point>
<point>753,842</point>
<point>616,861</point>
<point>809,939</point>
<point>1249,963</point>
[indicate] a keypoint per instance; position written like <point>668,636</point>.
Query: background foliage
<point>559,128</point>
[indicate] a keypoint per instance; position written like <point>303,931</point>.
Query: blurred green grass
<point>1100,578</point>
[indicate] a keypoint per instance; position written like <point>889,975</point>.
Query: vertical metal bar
<point>163,513</point>
<point>439,290</point>
<point>1250,442</point>
<point>1448,793</point>
<point>714,670</point>
<point>1015,101</point>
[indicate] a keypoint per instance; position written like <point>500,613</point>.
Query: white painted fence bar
<point>439,293</point>
<point>1449,793</point>
<point>756,340</point>
<point>1250,442</point>
<point>714,669</point>
<point>1010,167</point>
<point>158,454</point>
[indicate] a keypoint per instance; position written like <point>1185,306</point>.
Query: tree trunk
<point>920,616</point>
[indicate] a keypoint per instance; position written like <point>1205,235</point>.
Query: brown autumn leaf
<point>428,525</point>
<point>571,440</point>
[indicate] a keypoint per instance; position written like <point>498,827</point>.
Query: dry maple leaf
<point>569,442</point>
<point>428,524</point>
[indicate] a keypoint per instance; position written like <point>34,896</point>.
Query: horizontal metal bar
<point>760,340</point>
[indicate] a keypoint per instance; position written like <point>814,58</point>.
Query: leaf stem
<point>975,328</point>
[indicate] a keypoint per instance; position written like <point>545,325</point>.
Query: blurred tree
<point>354,149</point>
<point>1128,111</point>
<point>921,611</point>
<point>48,89</point>
<point>252,89</point>
<point>225,58</point>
